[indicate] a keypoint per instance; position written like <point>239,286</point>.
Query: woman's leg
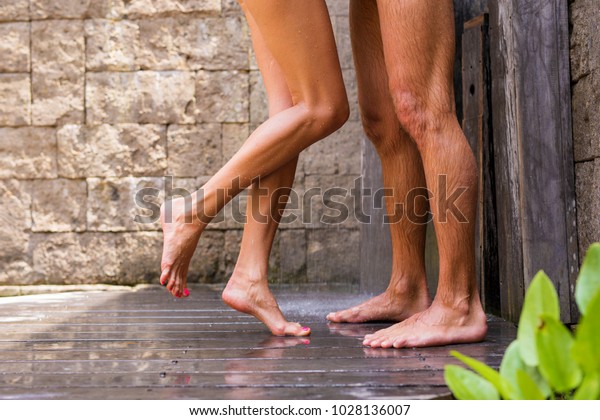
<point>248,288</point>
<point>402,174</point>
<point>299,36</point>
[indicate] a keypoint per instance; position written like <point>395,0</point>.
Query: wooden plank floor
<point>147,345</point>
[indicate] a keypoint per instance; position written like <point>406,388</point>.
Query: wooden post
<point>478,130</point>
<point>464,11</point>
<point>533,149</point>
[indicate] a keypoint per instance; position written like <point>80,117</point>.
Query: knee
<point>426,117</point>
<point>414,115</point>
<point>328,116</point>
<point>378,127</point>
<point>336,113</point>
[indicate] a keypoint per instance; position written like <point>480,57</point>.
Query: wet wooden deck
<point>146,345</point>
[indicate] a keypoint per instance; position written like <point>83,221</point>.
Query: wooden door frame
<point>531,95</point>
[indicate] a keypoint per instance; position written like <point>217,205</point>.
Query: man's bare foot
<point>253,297</point>
<point>388,306</point>
<point>180,240</point>
<point>438,325</point>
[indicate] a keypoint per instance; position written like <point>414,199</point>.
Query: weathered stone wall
<point>100,98</point>
<point>585,76</point>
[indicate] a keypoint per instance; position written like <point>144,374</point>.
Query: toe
<point>304,331</point>
<point>296,329</point>
<point>386,344</point>
<point>375,340</point>
<point>171,283</point>
<point>348,315</point>
<point>398,344</point>
<point>342,316</point>
<point>164,276</point>
<point>374,344</point>
<point>333,317</point>
<point>177,284</point>
<point>354,315</point>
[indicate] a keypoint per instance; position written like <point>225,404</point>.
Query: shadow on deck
<point>146,345</point>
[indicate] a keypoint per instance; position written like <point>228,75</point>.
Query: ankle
<point>405,287</point>
<point>457,288</point>
<point>466,303</point>
<point>180,211</point>
<point>248,274</point>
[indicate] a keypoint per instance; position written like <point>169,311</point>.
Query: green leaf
<point>511,364</point>
<point>491,375</point>
<point>554,343</point>
<point>466,385</point>
<point>588,282</point>
<point>590,388</point>
<point>586,349</point>
<point>528,387</point>
<point>540,299</point>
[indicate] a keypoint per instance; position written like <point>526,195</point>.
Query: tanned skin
<point>404,56</point>
<point>298,59</point>
<point>404,51</point>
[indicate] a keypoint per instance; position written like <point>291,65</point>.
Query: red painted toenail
<point>186,292</point>
<point>305,328</point>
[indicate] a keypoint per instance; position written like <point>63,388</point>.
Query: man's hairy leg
<point>418,42</point>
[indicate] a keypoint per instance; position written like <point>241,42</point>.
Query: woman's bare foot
<point>438,325</point>
<point>253,297</point>
<point>180,240</point>
<point>391,305</point>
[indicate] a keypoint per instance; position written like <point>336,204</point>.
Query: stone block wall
<point>102,98</point>
<point>585,76</point>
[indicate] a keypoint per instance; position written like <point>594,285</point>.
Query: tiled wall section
<point>101,98</point>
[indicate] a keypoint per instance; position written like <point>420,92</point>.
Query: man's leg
<point>418,43</point>
<point>402,175</point>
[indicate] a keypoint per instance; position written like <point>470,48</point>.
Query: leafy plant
<point>546,360</point>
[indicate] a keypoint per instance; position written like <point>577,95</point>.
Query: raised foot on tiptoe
<point>438,325</point>
<point>388,306</point>
<point>254,298</point>
<point>180,240</point>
